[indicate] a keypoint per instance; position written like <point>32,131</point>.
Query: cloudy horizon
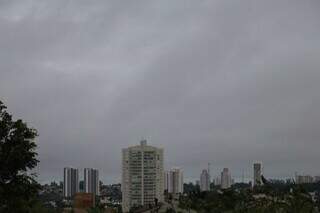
<point>225,82</point>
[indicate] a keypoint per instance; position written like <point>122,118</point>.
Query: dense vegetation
<point>19,191</point>
<point>276,197</point>
<point>18,188</point>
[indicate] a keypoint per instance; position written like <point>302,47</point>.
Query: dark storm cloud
<point>228,82</point>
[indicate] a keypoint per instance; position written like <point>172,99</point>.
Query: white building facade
<point>70,182</point>
<point>225,179</point>
<point>204,181</point>
<point>142,176</point>
<point>91,181</point>
<point>257,172</point>
<point>217,181</point>
<point>173,181</point>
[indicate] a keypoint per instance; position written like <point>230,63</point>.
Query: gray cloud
<point>228,82</point>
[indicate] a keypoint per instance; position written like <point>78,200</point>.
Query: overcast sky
<point>226,82</point>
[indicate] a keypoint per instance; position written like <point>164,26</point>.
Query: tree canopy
<point>270,197</point>
<point>18,157</point>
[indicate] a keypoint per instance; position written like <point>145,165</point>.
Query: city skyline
<point>225,82</point>
<point>247,177</point>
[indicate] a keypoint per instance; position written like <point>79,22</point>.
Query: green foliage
<point>265,199</point>
<point>95,210</point>
<point>170,210</point>
<point>17,156</point>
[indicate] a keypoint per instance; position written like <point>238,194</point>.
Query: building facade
<point>300,179</point>
<point>225,179</point>
<point>173,181</point>
<point>70,182</point>
<point>91,181</point>
<point>217,181</point>
<point>257,172</point>
<point>204,181</point>
<point>142,176</point>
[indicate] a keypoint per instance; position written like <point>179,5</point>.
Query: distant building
<point>142,176</point>
<point>91,181</point>
<point>232,181</point>
<point>204,181</point>
<point>173,181</point>
<point>81,186</point>
<point>217,181</point>
<point>167,181</point>
<point>300,179</point>
<point>70,182</point>
<point>83,201</point>
<point>225,179</point>
<point>257,173</point>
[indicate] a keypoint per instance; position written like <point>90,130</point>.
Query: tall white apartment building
<point>142,176</point>
<point>204,181</point>
<point>91,181</point>
<point>257,172</point>
<point>173,181</point>
<point>225,179</point>
<point>70,182</point>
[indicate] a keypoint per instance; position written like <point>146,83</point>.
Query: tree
<point>18,187</point>
<point>298,201</point>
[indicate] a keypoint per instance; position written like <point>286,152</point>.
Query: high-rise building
<point>300,179</point>
<point>257,173</point>
<point>91,181</point>
<point>142,176</point>
<point>204,181</point>
<point>225,179</point>
<point>70,182</point>
<point>217,181</point>
<point>173,181</point>
<point>209,164</point>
